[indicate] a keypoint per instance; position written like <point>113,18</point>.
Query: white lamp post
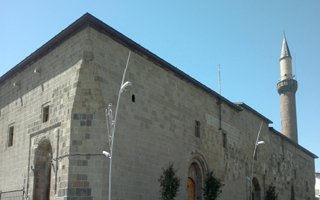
<point>111,122</point>
<point>257,143</point>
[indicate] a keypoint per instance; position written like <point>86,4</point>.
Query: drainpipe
<point>28,174</point>
<point>57,167</point>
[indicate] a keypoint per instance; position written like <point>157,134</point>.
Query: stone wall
<point>47,81</point>
<point>158,129</point>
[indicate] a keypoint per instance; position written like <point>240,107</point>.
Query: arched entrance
<point>256,192</point>
<point>195,182</point>
<point>42,171</point>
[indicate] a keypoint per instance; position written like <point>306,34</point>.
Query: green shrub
<point>169,183</point>
<point>212,187</point>
<point>271,193</point>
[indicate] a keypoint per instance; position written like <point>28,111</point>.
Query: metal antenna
<point>219,78</point>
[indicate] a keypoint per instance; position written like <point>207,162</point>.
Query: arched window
<point>42,171</point>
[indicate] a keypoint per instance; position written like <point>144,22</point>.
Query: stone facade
<point>317,185</point>
<point>55,100</point>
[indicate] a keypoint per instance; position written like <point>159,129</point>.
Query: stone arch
<point>42,171</point>
<point>196,172</point>
<point>256,190</point>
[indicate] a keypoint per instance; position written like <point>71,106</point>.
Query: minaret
<point>287,88</point>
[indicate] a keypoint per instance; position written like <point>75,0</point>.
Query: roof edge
<point>243,105</point>
<point>89,20</point>
<point>275,132</point>
<point>66,33</point>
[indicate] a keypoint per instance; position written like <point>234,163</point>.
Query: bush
<point>169,183</point>
<point>212,187</point>
<point>271,193</point>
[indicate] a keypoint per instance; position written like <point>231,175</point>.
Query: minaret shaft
<point>287,87</point>
<point>289,116</point>
<point>285,69</point>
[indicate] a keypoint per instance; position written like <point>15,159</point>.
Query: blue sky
<point>244,37</point>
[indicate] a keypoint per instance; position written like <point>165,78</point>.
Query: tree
<point>212,187</point>
<point>271,193</point>
<point>169,183</point>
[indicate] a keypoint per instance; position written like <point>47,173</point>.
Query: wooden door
<point>191,189</point>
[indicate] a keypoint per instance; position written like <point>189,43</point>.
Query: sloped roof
<point>88,20</point>
<point>242,104</point>
<point>293,143</point>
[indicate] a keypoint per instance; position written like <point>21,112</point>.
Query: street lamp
<point>111,122</point>
<point>260,142</point>
<point>257,143</point>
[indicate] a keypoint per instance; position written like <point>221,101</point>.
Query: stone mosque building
<point>53,126</point>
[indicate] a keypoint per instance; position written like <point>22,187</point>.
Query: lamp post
<point>257,143</point>
<point>111,122</point>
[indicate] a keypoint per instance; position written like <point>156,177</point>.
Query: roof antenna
<point>219,78</point>
<point>219,99</point>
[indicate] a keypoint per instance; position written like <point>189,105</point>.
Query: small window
<point>133,98</point>
<point>224,139</point>
<point>197,129</point>
<point>256,154</point>
<point>10,138</point>
<point>45,113</point>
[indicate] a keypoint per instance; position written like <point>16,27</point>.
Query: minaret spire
<point>287,88</point>
<point>285,52</point>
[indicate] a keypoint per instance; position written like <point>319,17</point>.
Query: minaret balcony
<point>287,85</point>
